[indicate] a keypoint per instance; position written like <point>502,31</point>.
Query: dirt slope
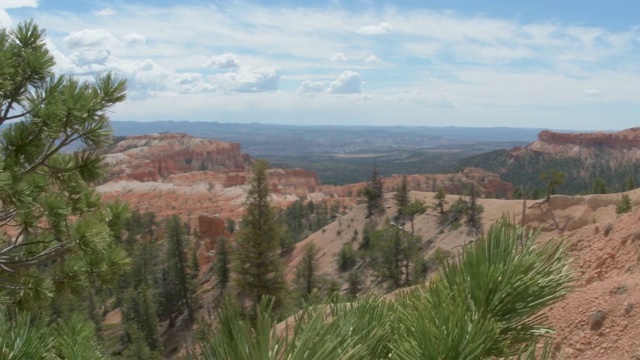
<point>606,265</point>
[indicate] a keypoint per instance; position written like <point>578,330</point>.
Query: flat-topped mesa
<point>155,156</point>
<point>629,138</point>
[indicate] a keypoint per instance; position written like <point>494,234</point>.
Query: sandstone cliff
<point>157,156</point>
<point>625,144</point>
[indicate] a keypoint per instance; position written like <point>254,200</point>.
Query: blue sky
<point>551,64</point>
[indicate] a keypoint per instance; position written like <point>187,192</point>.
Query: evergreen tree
<point>257,264</point>
<point>393,255</point>
<point>630,183</point>
<point>306,272</point>
<point>231,226</point>
<point>624,206</point>
<point>222,264</point>
<point>600,186</point>
<point>49,210</point>
<point>473,212</point>
<point>416,207</point>
<point>354,282</point>
<point>178,288</point>
<point>373,192</point>
<point>553,179</point>
<point>441,198</point>
<point>401,197</point>
<point>140,320</point>
<point>346,257</point>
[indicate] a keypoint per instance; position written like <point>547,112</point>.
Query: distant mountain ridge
<point>611,156</point>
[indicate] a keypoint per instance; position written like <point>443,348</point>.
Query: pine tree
<point>401,197</point>
<point>416,207</point>
<point>49,210</point>
<point>473,212</point>
<point>140,320</point>
<point>306,272</point>
<point>441,198</point>
<point>257,264</point>
<point>600,186</point>
<point>373,192</point>
<point>624,205</point>
<point>630,183</point>
<point>554,179</point>
<point>178,289</point>
<point>393,255</point>
<point>222,263</point>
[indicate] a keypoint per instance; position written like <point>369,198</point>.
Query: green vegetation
<point>394,254</point>
<point>553,179</point>
<point>178,288</point>
<point>414,208</point>
<point>43,189</point>
<point>257,264</point>
<point>401,197</point>
<point>346,258</point>
<point>374,192</point>
<point>624,205</point>
<point>222,263</point>
<point>524,170</point>
<point>441,198</point>
<point>301,219</point>
<point>491,297</point>
<point>306,272</point>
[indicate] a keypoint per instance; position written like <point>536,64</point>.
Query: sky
<point>544,64</point>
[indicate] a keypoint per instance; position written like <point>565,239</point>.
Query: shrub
<point>346,258</point>
<point>624,205</point>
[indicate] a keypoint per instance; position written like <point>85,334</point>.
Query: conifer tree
<point>257,264</point>
<point>48,209</point>
<point>178,289</point>
<point>553,179</point>
<point>416,207</point>
<point>624,205</point>
<point>393,255</point>
<point>222,263</point>
<point>440,197</point>
<point>401,197</point>
<point>306,272</point>
<point>473,212</point>
<point>140,320</point>
<point>373,192</point>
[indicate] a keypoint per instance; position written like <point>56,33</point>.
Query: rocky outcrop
<point>211,229</point>
<point>281,178</point>
<point>625,139</point>
<point>157,156</point>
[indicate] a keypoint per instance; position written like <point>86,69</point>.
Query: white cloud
<point>339,57</point>
<point>382,28</point>
<point>349,82</point>
<point>372,59</point>
<point>89,38</point>
<point>5,19</point>
<point>134,39</point>
<point>104,12</point>
<point>14,4</point>
<point>249,79</point>
<point>224,61</point>
<point>309,86</point>
<point>592,92</point>
<point>454,58</point>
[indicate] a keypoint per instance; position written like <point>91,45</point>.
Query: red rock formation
<point>157,156</point>
<point>211,229</point>
<point>293,178</point>
<point>629,138</point>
